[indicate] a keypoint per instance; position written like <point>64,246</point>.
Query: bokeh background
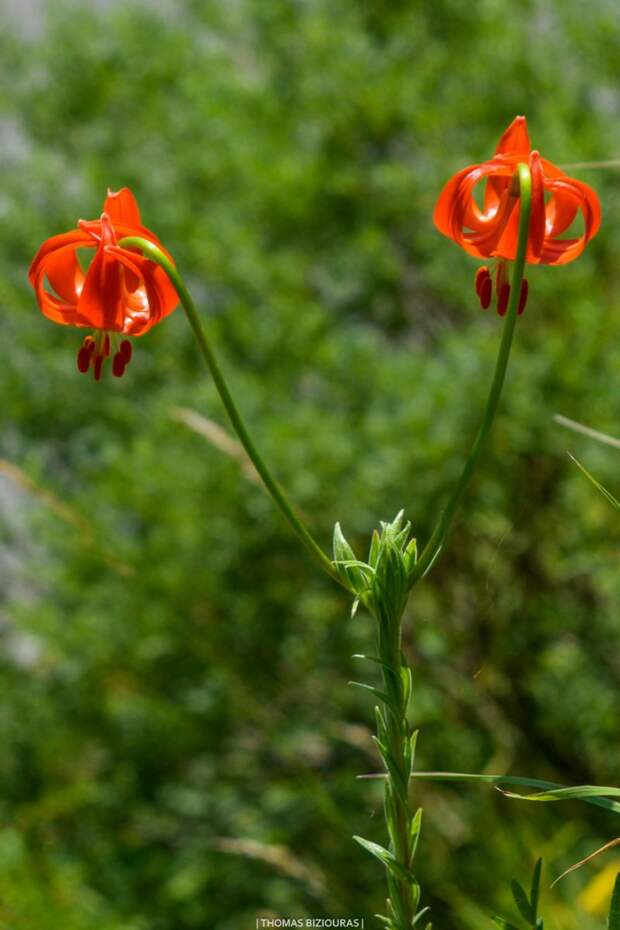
<point>179,746</point>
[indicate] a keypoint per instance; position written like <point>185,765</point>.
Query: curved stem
<point>274,489</point>
<point>438,537</point>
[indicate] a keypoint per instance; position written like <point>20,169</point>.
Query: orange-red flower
<point>491,231</point>
<point>121,293</point>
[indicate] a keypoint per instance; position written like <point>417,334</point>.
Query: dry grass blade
<point>280,857</point>
<point>587,431</point>
<point>609,163</point>
<point>62,510</point>
<point>66,513</point>
<point>587,859</point>
<point>218,437</point>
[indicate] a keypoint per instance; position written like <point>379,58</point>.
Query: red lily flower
<point>492,232</point>
<point>121,294</point>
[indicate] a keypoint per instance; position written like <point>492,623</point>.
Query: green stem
<point>393,730</point>
<point>276,492</point>
<point>438,537</point>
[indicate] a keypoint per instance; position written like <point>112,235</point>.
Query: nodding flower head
<point>120,294</point>
<point>491,231</point>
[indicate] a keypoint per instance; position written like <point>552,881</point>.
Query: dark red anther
<point>83,359</point>
<point>523,296</point>
<point>98,364</point>
<point>118,365</point>
<point>126,350</point>
<point>481,275</point>
<point>486,292</point>
<point>502,300</point>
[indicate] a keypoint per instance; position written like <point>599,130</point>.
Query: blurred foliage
<point>179,744</point>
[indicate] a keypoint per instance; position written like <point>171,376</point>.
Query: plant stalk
<point>438,537</point>
<point>404,891</point>
<point>238,424</point>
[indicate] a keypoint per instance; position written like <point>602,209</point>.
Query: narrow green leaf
<point>381,723</point>
<point>385,920</point>
<point>380,745</point>
<point>350,569</point>
<point>355,563</point>
<point>357,574</point>
<point>399,784</point>
<point>358,655</point>
<point>503,924</point>
<point>535,888</point>
<point>386,857</point>
<point>381,696</point>
<point>499,780</point>
<point>395,902</point>
<point>413,739</point>
<point>400,539</point>
<point>522,902</point>
<point>406,757</point>
<point>415,894</point>
<point>416,826</point>
<point>342,549</point>
<point>390,812</point>
<point>419,916</point>
<point>342,553</point>
<point>613,922</point>
<point>606,494</point>
<point>380,555</point>
<point>407,683</point>
<point>389,903</point>
<point>579,792</point>
<point>373,553</point>
<point>411,554</point>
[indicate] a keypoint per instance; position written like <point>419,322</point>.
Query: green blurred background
<point>179,743</point>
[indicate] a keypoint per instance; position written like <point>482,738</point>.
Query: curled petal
<point>515,140</point>
<point>492,232</point>
<point>458,215</point>
<point>456,206</point>
<point>502,229</point>
<point>495,187</point>
<point>76,238</point>
<point>53,308</point>
<point>537,214</point>
<point>562,209</point>
<point>506,245</point>
<point>550,170</point>
<point>121,207</point>
<point>101,300</point>
<point>63,271</point>
<point>157,294</point>
<point>562,251</point>
<point>56,261</point>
